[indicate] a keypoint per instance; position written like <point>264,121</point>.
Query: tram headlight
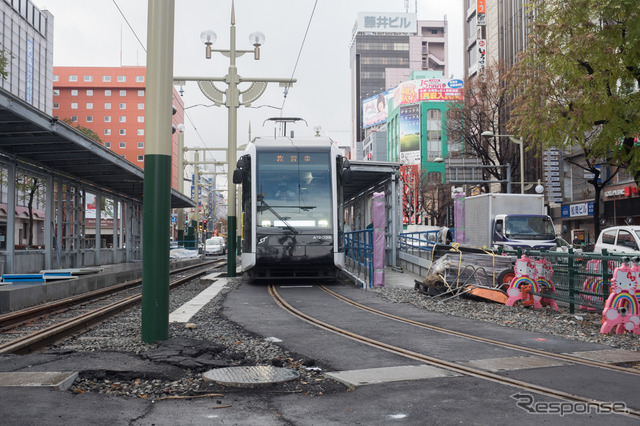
<point>322,223</point>
<point>266,223</point>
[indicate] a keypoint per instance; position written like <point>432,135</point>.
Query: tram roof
<point>33,137</point>
<point>367,175</point>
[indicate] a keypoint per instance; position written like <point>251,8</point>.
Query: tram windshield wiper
<point>276,214</point>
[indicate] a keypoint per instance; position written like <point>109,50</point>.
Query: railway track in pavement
<point>457,367</point>
<point>33,328</point>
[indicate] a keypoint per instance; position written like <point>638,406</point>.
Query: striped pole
<point>157,172</point>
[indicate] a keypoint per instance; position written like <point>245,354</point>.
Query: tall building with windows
<point>111,102</point>
<point>26,39</point>
<point>386,48</point>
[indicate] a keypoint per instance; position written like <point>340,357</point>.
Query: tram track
<point>33,328</point>
<point>455,367</point>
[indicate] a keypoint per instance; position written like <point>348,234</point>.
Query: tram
<point>291,202</point>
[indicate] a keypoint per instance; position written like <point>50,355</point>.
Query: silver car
<point>214,245</point>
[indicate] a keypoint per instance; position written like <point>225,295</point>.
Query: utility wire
<point>130,27</point>
<point>286,90</point>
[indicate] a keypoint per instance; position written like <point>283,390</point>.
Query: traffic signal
<point>204,223</point>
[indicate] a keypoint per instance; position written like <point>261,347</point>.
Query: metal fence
<point>358,251</point>
<point>580,279</point>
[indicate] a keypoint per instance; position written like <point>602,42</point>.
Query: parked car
<point>215,245</point>
<point>619,239</point>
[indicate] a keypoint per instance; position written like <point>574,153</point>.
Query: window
<point>107,144</point>
<point>140,145</point>
<point>140,132</point>
<point>89,92</point>
<point>140,106</point>
<point>73,78</point>
<point>107,119</point>
<point>107,132</point>
<point>88,78</point>
<point>106,78</point>
<point>74,93</point>
<point>609,237</point>
<point>107,105</point>
<point>89,118</point>
<point>56,92</point>
<point>74,118</point>
<point>139,78</point>
<point>123,106</point>
<point>56,78</point>
<point>107,92</point>
<point>140,157</point>
<point>123,118</point>
<point>140,92</point>
<point>625,239</point>
<point>141,119</point>
<point>123,93</point>
<point>123,131</point>
<point>89,105</point>
<point>122,78</point>
<point>123,145</point>
<point>74,105</point>
<point>56,105</point>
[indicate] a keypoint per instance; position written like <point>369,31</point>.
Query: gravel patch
<point>216,342</point>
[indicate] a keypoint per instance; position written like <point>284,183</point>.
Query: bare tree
<point>482,109</point>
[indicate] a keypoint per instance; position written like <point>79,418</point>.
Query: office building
<point>111,102</point>
<point>385,49</point>
<point>27,45</point>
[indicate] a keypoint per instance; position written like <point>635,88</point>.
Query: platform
<point>23,295</point>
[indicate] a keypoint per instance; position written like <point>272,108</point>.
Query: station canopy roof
<point>33,137</point>
<point>367,175</point>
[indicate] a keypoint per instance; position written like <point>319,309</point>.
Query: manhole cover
<point>250,377</point>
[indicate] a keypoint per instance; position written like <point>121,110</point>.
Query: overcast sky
<point>95,33</point>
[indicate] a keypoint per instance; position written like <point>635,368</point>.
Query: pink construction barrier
<point>526,274</point>
<point>379,222</point>
<point>621,309</point>
<point>544,269</point>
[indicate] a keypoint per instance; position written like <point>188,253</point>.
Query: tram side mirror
<point>237,176</point>
<point>347,174</point>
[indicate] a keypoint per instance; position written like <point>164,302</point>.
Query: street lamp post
<point>489,134</point>
<point>180,180</point>
<point>231,98</point>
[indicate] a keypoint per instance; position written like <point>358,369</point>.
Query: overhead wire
<point>286,90</point>
<point>145,50</point>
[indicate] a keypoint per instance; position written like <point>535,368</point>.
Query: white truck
<point>509,220</point>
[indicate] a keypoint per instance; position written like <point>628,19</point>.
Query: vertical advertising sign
<point>480,12</point>
<point>482,53</point>
<point>409,134</point>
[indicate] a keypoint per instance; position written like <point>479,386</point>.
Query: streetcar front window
<point>294,190</point>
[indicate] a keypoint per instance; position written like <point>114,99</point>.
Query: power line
<point>286,90</point>
<point>130,27</point>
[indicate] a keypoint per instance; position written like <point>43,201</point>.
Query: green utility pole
<point>231,99</point>
<point>157,172</point>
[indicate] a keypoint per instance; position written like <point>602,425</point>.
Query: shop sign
<point>577,210</point>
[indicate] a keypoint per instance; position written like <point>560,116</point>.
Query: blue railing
<point>423,240</point>
<point>358,250</point>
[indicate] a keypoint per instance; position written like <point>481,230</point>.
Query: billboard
<point>431,89</point>
<point>374,109</point>
<point>387,22</point>
<point>409,134</point>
